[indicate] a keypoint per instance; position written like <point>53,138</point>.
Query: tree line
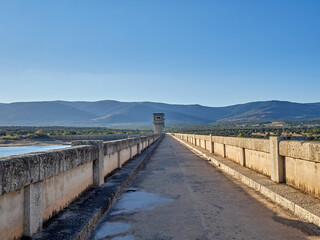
<point>46,133</point>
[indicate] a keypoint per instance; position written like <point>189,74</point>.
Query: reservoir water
<point>17,150</point>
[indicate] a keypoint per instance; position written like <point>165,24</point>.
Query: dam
<point>164,186</point>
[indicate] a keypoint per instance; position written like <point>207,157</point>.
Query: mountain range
<point>137,114</point>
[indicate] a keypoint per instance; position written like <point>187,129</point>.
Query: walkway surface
<point>178,195</point>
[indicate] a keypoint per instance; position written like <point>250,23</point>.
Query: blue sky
<point>214,53</point>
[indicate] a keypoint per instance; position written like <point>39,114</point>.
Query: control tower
<point>158,123</point>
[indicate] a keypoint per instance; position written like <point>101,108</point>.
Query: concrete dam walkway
<point>178,195</point>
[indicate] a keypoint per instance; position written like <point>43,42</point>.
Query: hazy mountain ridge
<point>113,113</point>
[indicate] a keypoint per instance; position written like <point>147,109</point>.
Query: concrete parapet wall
<point>58,191</point>
<point>233,153</point>
<point>259,161</point>
<point>110,163</point>
<point>296,163</point>
<point>11,215</point>
<point>261,145</point>
<point>302,205</point>
<point>218,149</point>
<point>103,137</point>
<point>302,165</point>
<point>19,171</point>
<point>34,187</point>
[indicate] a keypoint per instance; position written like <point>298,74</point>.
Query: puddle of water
<point>109,229</point>
<point>130,190</point>
<point>133,200</point>
<point>129,237</point>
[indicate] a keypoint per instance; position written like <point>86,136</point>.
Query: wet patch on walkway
<point>110,229</point>
<point>132,200</point>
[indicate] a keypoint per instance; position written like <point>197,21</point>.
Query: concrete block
<point>243,157</point>
<point>211,144</point>
<point>245,180</point>
<point>307,215</point>
<point>277,168</point>
<point>17,172</point>
<point>130,153</point>
<point>32,209</point>
<point>119,160</point>
<point>98,165</point>
<point>268,193</point>
<point>98,162</point>
<point>53,163</point>
<point>301,150</point>
<point>224,151</point>
<point>253,184</point>
<point>284,202</point>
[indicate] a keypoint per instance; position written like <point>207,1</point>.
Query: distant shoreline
<point>32,143</point>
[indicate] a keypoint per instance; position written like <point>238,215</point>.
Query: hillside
<point>137,114</point>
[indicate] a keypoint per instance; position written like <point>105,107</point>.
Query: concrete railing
<point>34,187</point>
<point>296,163</point>
<point>103,137</point>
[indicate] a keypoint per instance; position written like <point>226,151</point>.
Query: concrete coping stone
<point>111,147</point>
<point>304,150</point>
<point>22,170</point>
<point>262,145</point>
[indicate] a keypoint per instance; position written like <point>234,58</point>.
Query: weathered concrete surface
<point>304,175</point>
<point>20,171</point>
<point>205,204</point>
<point>110,163</point>
<point>61,175</point>
<point>300,149</point>
<point>12,214</point>
<point>277,162</point>
<point>58,191</point>
<point>296,163</point>
<point>97,164</point>
<point>103,137</point>
<point>32,202</point>
<point>76,220</point>
<point>259,161</point>
<point>302,205</point>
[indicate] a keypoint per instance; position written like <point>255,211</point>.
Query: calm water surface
<point>17,150</point>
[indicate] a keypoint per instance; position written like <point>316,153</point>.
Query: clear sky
<point>214,52</point>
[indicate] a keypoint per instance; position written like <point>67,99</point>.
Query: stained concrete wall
<point>124,155</point>
<point>110,163</point>
<point>302,165</point>
<point>296,163</point>
<point>219,149</point>
<point>233,153</point>
<point>11,214</point>
<point>134,150</point>
<point>259,161</point>
<point>203,143</point>
<point>304,175</point>
<point>33,187</point>
<point>58,191</point>
<point>208,144</point>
